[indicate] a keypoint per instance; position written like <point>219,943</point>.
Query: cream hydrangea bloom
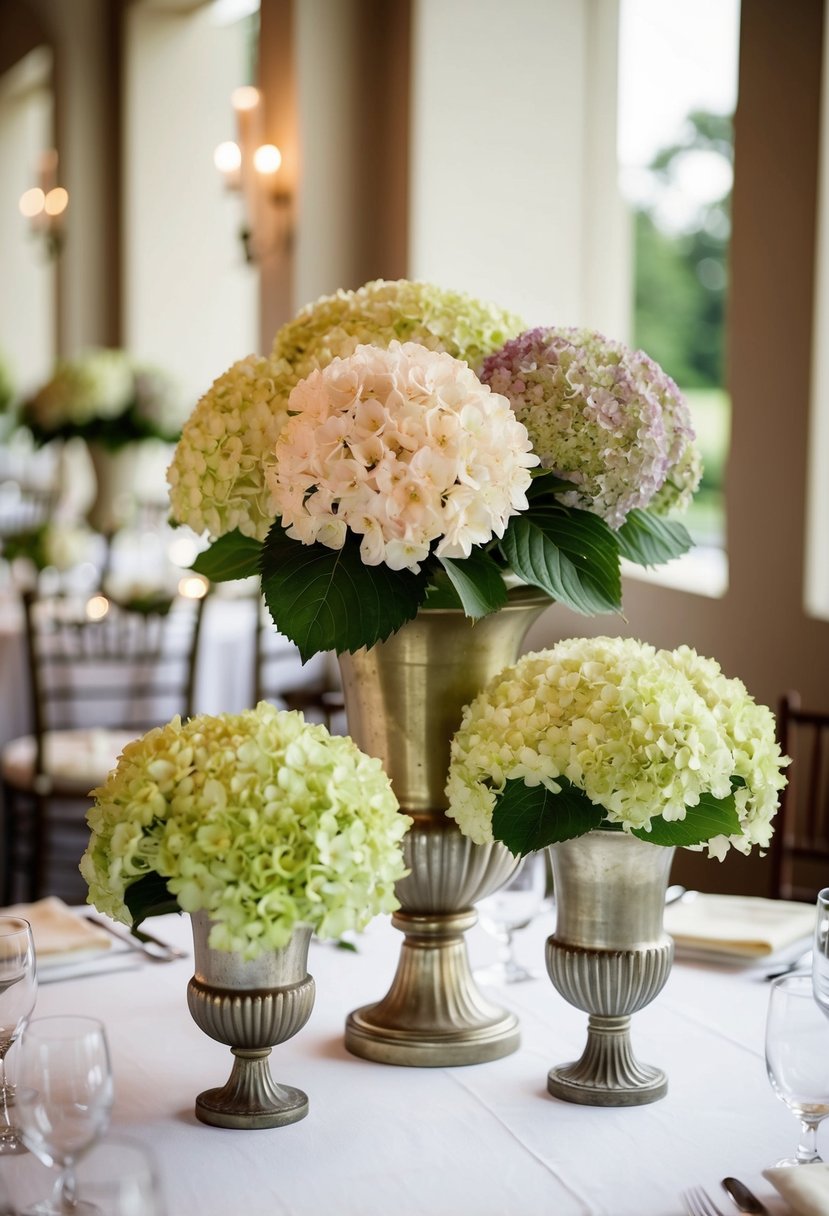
<point>261,819</point>
<point>393,310</point>
<point>217,476</point>
<point>404,447</point>
<point>96,384</point>
<point>642,732</point>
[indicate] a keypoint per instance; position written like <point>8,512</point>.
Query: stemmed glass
<point>820,953</point>
<point>18,990</point>
<point>64,1100</point>
<point>506,911</point>
<point>797,1058</point>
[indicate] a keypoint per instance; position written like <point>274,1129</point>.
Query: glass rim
<point>93,1025</point>
<point>791,977</point>
<point>6,918</point>
<point>823,895</point>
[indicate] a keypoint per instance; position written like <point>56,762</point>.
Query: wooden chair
<point>100,676</point>
<point>279,677</point>
<point>800,848</point>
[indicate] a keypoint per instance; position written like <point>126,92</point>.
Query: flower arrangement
<point>52,544</point>
<point>610,732</point>
<point>104,397</point>
<point>604,417</point>
<point>364,470</point>
<point>261,819</point>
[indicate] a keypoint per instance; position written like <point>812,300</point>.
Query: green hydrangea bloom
<point>261,819</point>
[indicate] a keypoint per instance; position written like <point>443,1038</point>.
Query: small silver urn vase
<point>251,1006</point>
<point>609,956</point>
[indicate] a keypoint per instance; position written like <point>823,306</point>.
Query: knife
<point>150,947</point>
<point>743,1197</point>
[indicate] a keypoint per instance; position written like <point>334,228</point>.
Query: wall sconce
<point>250,168</point>
<point>44,205</point>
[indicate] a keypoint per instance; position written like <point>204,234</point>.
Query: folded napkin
<point>738,926</point>
<point>804,1187</point>
<point>58,932</point>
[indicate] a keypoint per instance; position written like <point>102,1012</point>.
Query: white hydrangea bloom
<point>403,447</point>
<point>642,732</point>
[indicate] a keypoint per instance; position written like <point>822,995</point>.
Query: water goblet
<point>820,952</point>
<point>64,1100</point>
<point>506,911</point>
<point>120,1177</point>
<point>797,1058</point>
<point>18,991</point>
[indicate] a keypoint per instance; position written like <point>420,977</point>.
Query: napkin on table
<point>59,934</point>
<point>804,1187</point>
<point>738,926</point>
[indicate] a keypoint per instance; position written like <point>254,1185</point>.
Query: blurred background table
<point>485,1139</point>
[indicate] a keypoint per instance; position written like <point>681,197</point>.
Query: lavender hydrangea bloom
<point>600,415</point>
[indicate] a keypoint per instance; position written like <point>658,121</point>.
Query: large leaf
<point>570,554</point>
<point>478,582</point>
<point>529,817</point>
<point>650,540</point>
<point>547,484</point>
<point>231,556</point>
<point>327,599</point>
<point>712,817</point>
<point>149,897</point>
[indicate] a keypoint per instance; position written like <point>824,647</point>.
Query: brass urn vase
<point>404,700</point>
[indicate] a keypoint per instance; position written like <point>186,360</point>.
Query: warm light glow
<point>193,586</point>
<point>32,202</point>
<point>228,157</point>
<point>182,551</point>
<point>57,201</point>
<point>267,159</point>
<point>245,98</point>
<point>97,606</point>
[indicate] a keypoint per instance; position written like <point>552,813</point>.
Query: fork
<point>699,1203</point>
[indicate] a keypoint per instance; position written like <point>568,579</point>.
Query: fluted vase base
<point>251,1098</point>
<point>434,1015</point>
<point>608,1073</point>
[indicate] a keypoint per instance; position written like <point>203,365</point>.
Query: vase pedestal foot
<point>608,1073</point>
<point>433,1016</point>
<point>251,1098</point>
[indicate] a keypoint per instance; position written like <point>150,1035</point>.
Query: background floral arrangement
<point>104,397</point>
<point>261,819</point>
<point>61,546</point>
<point>351,534</point>
<point>612,732</point>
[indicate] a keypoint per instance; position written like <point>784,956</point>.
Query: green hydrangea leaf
<point>149,897</point>
<point>529,817</point>
<point>712,817</point>
<point>546,484</point>
<point>231,556</point>
<point>327,599</point>
<point>478,581</point>
<point>570,554</point>
<point>650,540</point>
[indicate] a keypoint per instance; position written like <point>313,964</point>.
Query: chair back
<point>800,850</point>
<point>96,664</point>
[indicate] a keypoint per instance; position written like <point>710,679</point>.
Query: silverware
<point>80,974</point>
<point>796,963</point>
<point>745,1200</point>
<point>145,943</point>
<point>699,1203</point>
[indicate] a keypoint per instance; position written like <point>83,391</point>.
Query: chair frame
<point>799,836</point>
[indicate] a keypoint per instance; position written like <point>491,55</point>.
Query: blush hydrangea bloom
<point>261,819</point>
<point>602,416</point>
<point>642,732</point>
<point>398,310</point>
<point>217,476</point>
<point>403,447</point>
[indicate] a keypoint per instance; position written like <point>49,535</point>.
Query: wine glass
<point>820,953</point>
<point>64,1100</point>
<point>121,1178</point>
<point>18,990</point>
<point>506,911</point>
<point>797,1058</point>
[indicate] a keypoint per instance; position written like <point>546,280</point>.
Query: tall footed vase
<point>251,1006</point>
<point>404,699</point>
<point>609,956</point>
<point>116,483</point>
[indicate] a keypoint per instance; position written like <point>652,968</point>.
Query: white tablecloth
<point>485,1140</point>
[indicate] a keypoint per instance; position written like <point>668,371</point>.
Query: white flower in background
<point>403,447</point>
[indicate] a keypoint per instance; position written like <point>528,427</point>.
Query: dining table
<point>476,1140</point>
